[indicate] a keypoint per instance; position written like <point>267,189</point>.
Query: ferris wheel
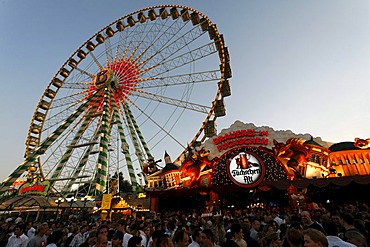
<point>151,81</point>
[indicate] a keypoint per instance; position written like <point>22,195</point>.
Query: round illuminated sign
<point>246,169</point>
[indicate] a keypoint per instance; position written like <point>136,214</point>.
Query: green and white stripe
<point>43,146</point>
<point>125,147</point>
<point>135,129</point>
<point>102,166</point>
<point>85,157</point>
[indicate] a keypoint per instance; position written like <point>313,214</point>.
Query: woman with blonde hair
<point>314,238</point>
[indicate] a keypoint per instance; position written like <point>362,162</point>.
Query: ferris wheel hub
<point>103,78</point>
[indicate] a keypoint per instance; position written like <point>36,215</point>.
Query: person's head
<point>134,241</point>
<point>197,235</point>
<point>84,229</point>
<point>117,239</point>
<point>306,218</point>
<point>294,237</point>
<point>314,238</point>
<point>335,218</point>
<point>103,230</point>
<point>272,240</point>
<point>91,239</point>
<point>19,229</point>
<point>42,229</point>
<point>355,238</point>
<point>102,241</point>
<point>236,231</point>
<point>346,219</point>
<point>256,224</point>
<point>181,238</point>
<point>208,234</point>
<point>164,241</point>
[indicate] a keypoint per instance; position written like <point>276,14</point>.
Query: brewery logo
<point>246,169</point>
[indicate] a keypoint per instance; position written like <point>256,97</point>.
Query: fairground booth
<point>248,166</point>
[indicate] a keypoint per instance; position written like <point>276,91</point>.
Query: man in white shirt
<point>30,230</point>
<point>332,235</point>
<point>18,239</point>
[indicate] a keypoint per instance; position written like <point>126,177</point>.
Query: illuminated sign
<point>246,169</point>
<point>38,188</point>
<point>141,195</point>
<point>106,201</point>
<point>241,138</point>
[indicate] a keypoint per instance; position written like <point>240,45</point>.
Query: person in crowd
<point>247,236</point>
<point>309,223</point>
<point>293,238</point>
<point>237,235</point>
<point>196,237</point>
<point>209,238</point>
<point>121,226</point>
<point>255,228</point>
<point>30,229</point>
<point>347,222</point>
<point>314,238</point>
<point>164,241</point>
<point>117,239</point>
<point>276,218</point>
<point>18,239</point>
<point>55,239</point>
<point>134,241</point>
<point>102,241</point>
<point>103,230</point>
<point>355,238</point>
<point>40,238</point>
<point>90,240</point>
<point>331,231</point>
<point>79,238</point>
<point>181,238</point>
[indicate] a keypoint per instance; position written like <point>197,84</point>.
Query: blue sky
<point>298,65</point>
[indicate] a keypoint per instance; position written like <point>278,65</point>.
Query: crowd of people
<point>346,225</point>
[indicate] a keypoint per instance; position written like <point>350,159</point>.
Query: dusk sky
<point>297,65</point>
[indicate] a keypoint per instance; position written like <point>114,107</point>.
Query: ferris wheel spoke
<point>155,122</point>
<point>176,80</point>
<point>173,102</point>
<point>96,61</point>
<point>82,162</point>
<point>108,52</point>
<point>79,86</point>
<point>180,61</point>
<point>171,46</point>
<point>68,108</point>
<point>69,100</point>
<point>83,72</point>
<point>161,37</point>
<point>70,148</point>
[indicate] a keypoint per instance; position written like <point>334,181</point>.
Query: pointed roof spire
<point>167,158</point>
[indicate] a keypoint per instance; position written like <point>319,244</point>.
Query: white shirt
<point>194,244</point>
<point>31,232</point>
<point>15,241</point>
<point>335,241</point>
<point>126,238</point>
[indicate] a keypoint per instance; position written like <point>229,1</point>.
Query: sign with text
<point>37,188</point>
<point>246,169</point>
<point>241,138</point>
